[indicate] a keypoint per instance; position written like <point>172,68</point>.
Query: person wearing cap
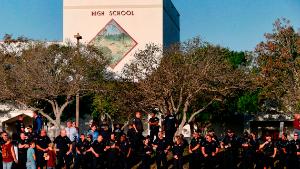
<point>154,126</point>
<point>269,150</point>
<point>281,146</point>
<point>231,145</point>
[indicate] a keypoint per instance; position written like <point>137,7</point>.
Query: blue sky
<point>237,24</point>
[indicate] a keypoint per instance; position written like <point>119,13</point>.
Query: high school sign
<point>121,27</point>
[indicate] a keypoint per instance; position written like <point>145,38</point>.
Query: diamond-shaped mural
<point>114,41</point>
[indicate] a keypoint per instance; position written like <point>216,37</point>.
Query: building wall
<point>142,21</point>
<point>171,24</point>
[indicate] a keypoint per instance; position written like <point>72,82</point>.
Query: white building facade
<point>121,27</point>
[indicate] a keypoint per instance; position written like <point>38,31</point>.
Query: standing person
<point>293,152</point>
<point>98,148</point>
<point>231,145</point>
<point>154,126</point>
<point>64,150</point>
<point>81,146</point>
<point>105,130</point>
<point>71,131</point>
<point>118,131</point>
<point>42,143</point>
<point>178,149</point>
<point>161,147</point>
<point>51,157</point>
<point>30,157</point>
<point>20,126</point>
<point>93,131</point>
<point>209,150</point>
<point>8,153</point>
<point>281,146</point>
<point>269,150</point>
<point>112,148</point>
<point>37,123</point>
<point>23,145</point>
<point>195,151</point>
<point>170,125</point>
<point>125,152</point>
<point>146,152</point>
<point>137,125</point>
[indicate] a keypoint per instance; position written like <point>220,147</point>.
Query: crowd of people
<point>101,147</point>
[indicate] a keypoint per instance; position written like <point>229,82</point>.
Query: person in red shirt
<point>51,157</point>
<point>296,123</point>
<point>8,153</point>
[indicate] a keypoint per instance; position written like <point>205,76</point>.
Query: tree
<point>50,72</point>
<point>184,79</point>
<point>278,60</point>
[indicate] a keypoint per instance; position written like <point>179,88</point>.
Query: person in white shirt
<point>71,131</point>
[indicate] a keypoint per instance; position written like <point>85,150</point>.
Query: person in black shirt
<point>112,148</point>
<point>98,148</point>
<point>22,151</point>
<point>293,152</point>
<point>137,125</point>
<point>118,131</point>
<point>281,146</point>
<point>162,147</point>
<point>81,147</point>
<point>88,154</point>
<point>105,130</point>
<point>209,150</point>
<point>249,146</point>
<point>42,142</point>
<point>125,152</point>
<point>20,126</point>
<point>146,152</point>
<point>231,145</point>
<point>154,126</point>
<point>64,150</point>
<point>178,149</point>
<point>195,151</point>
<point>269,150</point>
<point>169,125</point>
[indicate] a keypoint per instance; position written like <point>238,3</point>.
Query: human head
<point>99,138</point>
<point>35,114</point>
<point>160,135</point>
<point>268,137</point>
<point>123,137</point>
<point>4,136</point>
<point>22,136</point>
<point>178,139</point>
<point>43,132</point>
<point>208,138</point>
<point>230,133</point>
<point>93,127</point>
<point>20,117</point>
<point>138,114</point>
<point>112,136</point>
<point>195,134</point>
<point>296,136</point>
<point>51,145</point>
<point>63,132</point>
<point>82,136</point>
<point>69,124</point>
<point>152,114</point>
<point>32,144</point>
<point>284,136</point>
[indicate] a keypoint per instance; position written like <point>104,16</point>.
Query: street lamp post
<point>78,37</point>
